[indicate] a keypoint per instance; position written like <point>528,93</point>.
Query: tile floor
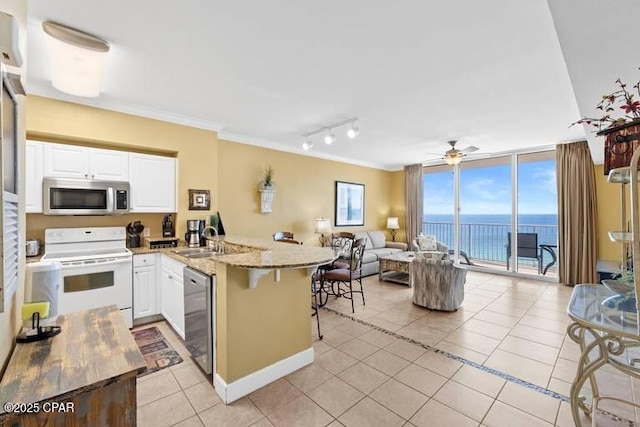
<point>436,369</point>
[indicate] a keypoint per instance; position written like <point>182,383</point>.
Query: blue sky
<point>487,190</point>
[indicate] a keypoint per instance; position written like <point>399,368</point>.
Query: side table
<point>605,325</point>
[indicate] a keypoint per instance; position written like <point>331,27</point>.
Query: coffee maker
<point>193,237</point>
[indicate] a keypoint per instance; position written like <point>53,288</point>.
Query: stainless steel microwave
<point>65,196</point>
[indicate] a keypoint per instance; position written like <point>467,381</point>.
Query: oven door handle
<point>83,264</point>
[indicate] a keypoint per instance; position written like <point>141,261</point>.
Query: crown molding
<point>120,107</point>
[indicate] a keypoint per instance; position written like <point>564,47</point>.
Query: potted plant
<point>619,123</point>
<point>620,99</point>
<point>267,178</point>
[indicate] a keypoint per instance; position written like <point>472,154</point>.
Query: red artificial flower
<point>631,106</point>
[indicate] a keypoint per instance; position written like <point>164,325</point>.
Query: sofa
<point>376,246</point>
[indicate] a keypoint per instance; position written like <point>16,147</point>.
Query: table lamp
<point>323,226</point>
<point>392,224</point>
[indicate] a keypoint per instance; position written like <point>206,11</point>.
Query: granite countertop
<point>247,252</point>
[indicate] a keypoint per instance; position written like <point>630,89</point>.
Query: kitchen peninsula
<point>262,310</point>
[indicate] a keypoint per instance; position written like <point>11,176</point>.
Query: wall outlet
<point>146,232</point>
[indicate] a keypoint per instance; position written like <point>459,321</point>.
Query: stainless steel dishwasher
<point>199,306</point>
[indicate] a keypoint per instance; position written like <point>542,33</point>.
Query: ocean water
<point>486,236</point>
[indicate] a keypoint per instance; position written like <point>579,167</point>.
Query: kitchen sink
<point>197,253</point>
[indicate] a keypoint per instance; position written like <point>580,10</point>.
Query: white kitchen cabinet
<point>72,161</point>
<point>153,183</point>
<point>33,176</point>
<point>172,293</point>
<point>145,294</point>
<point>109,165</point>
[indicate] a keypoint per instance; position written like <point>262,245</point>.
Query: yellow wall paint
<point>259,327</point>
<point>37,223</point>
<point>195,149</point>
<point>608,204</point>
<point>10,319</point>
<point>305,190</point>
<point>397,203</point>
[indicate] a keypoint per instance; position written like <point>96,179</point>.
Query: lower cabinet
<point>145,286</point>
<point>172,293</point>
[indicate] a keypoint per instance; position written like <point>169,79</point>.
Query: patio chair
<point>527,248</point>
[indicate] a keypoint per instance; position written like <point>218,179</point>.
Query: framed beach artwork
<point>349,204</point>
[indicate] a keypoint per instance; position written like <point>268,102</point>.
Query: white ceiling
<point>417,73</point>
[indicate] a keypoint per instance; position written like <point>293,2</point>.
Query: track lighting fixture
<point>353,131</point>
<point>330,136</point>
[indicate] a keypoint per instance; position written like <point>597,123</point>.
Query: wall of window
<point>474,207</point>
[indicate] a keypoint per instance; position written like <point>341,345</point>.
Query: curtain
<point>576,214</point>
<point>413,196</point>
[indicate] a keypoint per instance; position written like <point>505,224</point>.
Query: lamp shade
<point>323,226</point>
<point>78,60</point>
<point>392,223</point>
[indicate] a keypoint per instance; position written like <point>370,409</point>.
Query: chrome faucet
<point>215,230</point>
<point>212,242</point>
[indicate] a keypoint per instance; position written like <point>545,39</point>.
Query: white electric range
<point>96,268</point>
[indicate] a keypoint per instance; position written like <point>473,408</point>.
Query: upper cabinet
<point>70,161</point>
<point>33,176</point>
<point>152,179</point>
<point>153,183</point>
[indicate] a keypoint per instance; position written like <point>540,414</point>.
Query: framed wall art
<point>199,200</point>
<point>349,204</point>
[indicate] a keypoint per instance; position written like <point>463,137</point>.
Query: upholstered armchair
<point>429,243</point>
<point>426,243</point>
<point>437,284</point>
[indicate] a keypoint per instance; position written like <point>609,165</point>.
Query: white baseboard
<point>245,385</point>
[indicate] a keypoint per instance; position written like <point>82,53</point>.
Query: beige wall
<point>396,197</point>
<point>258,327</point>
<point>195,149</point>
<point>608,204</point>
<point>305,190</point>
<point>10,319</point>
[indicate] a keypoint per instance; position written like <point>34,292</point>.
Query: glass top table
<point>605,325</point>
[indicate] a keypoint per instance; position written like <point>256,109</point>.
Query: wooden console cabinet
<point>85,376</point>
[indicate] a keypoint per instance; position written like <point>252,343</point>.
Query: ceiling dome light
<point>453,160</point>
<point>353,131</point>
<point>78,60</point>
<point>307,144</point>
<point>330,138</point>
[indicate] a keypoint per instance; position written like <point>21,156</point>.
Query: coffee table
<point>395,267</point>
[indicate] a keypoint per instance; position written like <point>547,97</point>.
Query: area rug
<point>155,349</point>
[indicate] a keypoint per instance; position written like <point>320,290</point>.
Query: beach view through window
<point>486,211</point>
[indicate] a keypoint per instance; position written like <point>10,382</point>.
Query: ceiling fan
<point>453,156</point>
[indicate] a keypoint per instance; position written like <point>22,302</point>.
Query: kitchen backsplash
<point>37,223</point>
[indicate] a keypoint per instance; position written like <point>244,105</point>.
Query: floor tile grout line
<point>468,362</point>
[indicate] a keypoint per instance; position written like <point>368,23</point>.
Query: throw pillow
<point>427,243</point>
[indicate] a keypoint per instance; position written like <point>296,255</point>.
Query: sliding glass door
<point>438,207</point>
<point>476,205</point>
<point>485,211</point>
<point>537,213</point>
